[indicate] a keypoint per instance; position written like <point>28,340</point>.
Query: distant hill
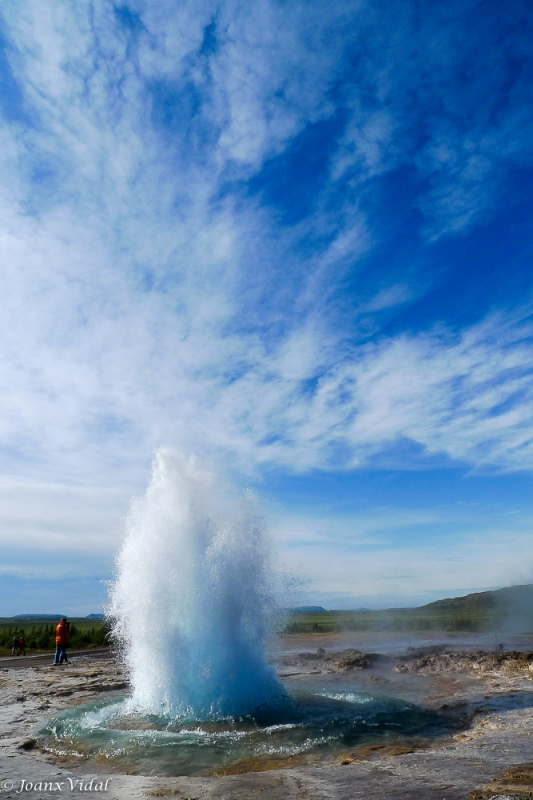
<point>511,608</point>
<point>511,596</point>
<point>53,616</point>
<point>38,616</point>
<point>508,610</point>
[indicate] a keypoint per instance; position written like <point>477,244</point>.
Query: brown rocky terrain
<point>489,693</point>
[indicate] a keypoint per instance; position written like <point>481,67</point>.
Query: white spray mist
<point>192,597</point>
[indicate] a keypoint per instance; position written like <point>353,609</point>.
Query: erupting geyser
<point>192,598</point>
<point>191,604</point>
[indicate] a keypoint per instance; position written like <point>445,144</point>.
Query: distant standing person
<point>15,646</point>
<point>62,632</point>
<point>22,646</point>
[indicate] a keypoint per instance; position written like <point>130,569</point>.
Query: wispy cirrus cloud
<point>218,225</point>
<point>154,292</point>
<point>393,556</point>
<point>468,396</point>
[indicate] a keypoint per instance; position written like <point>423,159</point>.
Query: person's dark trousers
<point>61,654</point>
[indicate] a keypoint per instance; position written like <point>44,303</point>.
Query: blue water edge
<point>324,723</point>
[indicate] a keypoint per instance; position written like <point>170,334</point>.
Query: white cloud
<point>95,368</point>
<point>57,518</point>
<point>375,559</point>
<point>123,295</point>
<point>146,298</point>
<point>466,396</point>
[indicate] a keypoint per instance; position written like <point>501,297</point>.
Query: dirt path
<point>23,662</point>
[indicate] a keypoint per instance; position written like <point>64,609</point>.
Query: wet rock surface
<point>473,662</point>
<point>491,757</point>
<point>324,661</point>
<point>514,782</point>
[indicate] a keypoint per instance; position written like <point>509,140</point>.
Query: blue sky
<point>295,237</point>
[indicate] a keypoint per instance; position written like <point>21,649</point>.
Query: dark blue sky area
<point>425,488</point>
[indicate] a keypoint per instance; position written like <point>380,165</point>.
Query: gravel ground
<point>492,757</point>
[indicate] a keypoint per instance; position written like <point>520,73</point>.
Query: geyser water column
<point>192,597</point>
<point>191,603</point>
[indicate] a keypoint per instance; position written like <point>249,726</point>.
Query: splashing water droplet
<point>192,597</point>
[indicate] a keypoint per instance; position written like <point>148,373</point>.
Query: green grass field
<point>508,610</point>
<point>396,620</point>
<point>39,634</point>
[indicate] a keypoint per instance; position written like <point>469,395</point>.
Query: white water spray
<point>192,598</point>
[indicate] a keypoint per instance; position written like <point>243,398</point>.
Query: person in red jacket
<point>62,632</point>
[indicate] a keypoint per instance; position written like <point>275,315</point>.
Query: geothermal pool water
<point>191,604</point>
<point>317,724</point>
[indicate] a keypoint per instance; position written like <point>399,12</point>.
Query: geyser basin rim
<point>321,725</point>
